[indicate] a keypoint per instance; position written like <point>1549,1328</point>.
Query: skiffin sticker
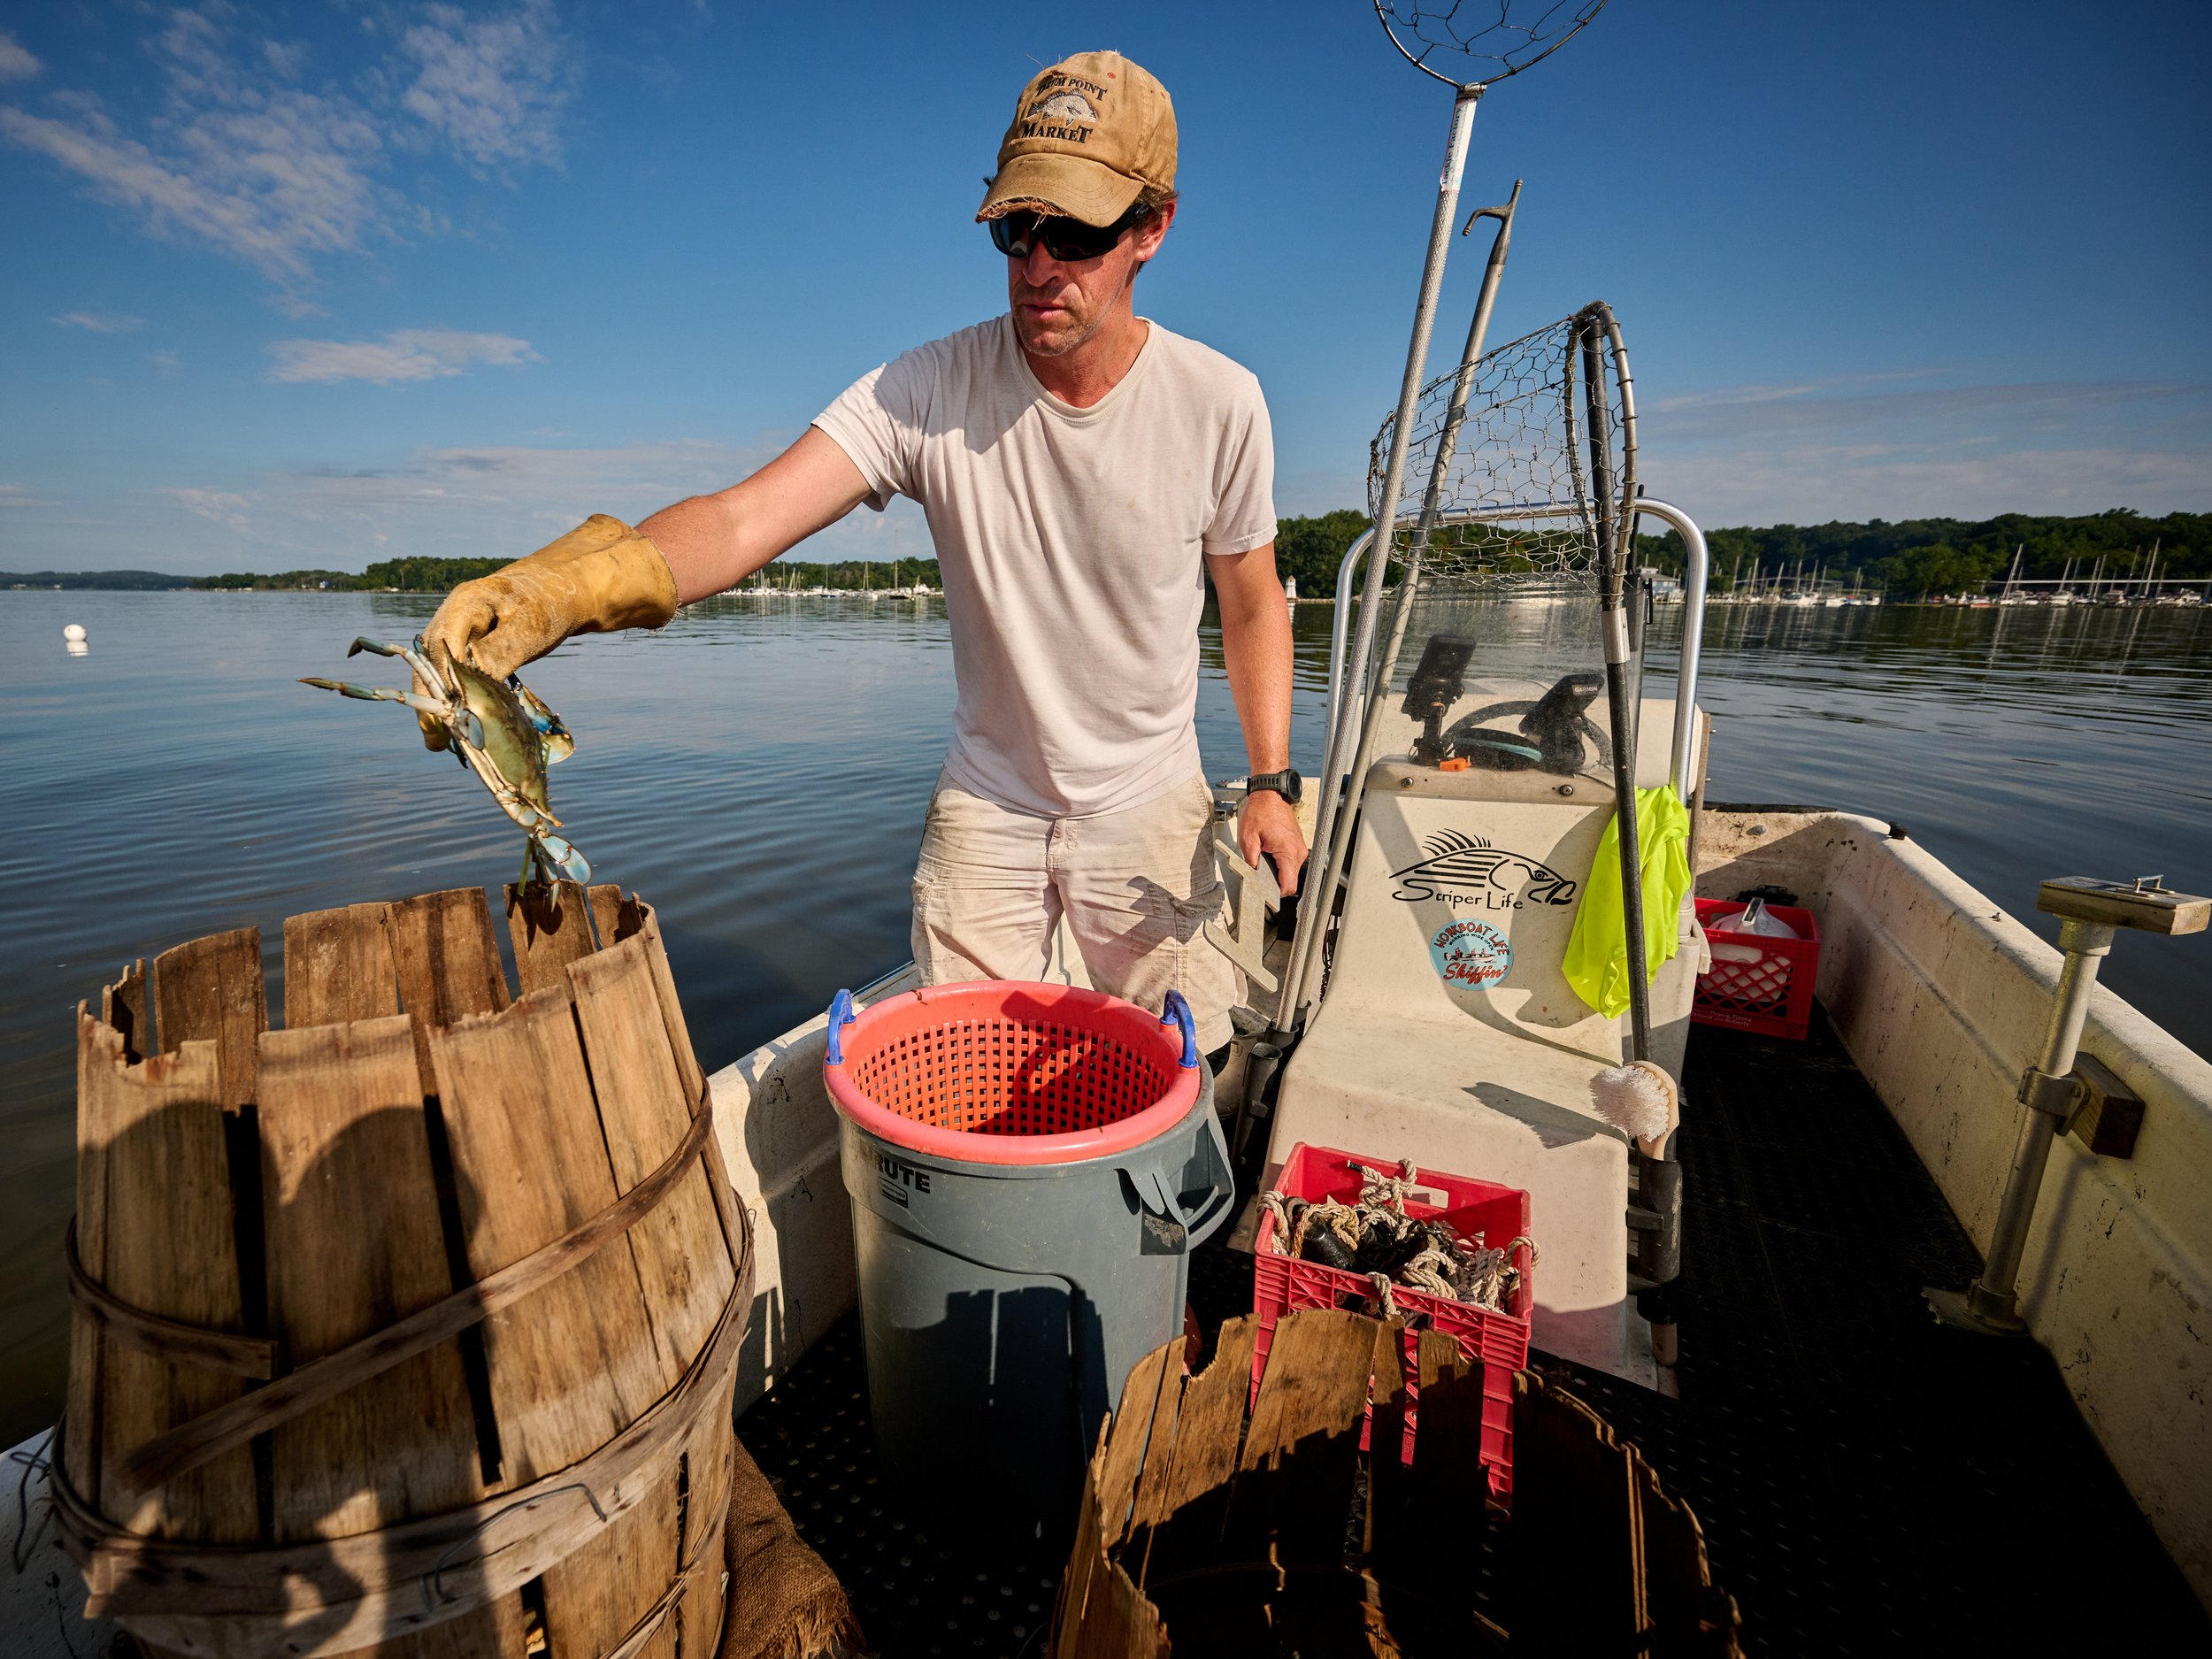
<point>1470,953</point>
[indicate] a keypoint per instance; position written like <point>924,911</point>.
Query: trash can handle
<point>1176,1011</point>
<point>1156,1186</point>
<point>841,1015</point>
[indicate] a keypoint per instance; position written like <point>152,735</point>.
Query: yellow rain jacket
<point>1597,950</point>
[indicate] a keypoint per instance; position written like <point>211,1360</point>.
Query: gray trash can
<point>1029,1167</point>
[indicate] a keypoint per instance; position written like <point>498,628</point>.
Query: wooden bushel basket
<point>411,1326</point>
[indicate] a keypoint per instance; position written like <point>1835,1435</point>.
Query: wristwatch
<point>1285,783</point>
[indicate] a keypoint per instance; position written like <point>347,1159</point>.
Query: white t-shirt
<point>1073,542</point>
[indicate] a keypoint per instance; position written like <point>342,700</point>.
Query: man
<point>1079,467</point>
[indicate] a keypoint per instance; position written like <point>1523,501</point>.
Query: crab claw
<point>363,643</point>
<point>559,745</point>
<point>557,859</point>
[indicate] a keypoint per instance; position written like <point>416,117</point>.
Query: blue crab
<point>500,730</point>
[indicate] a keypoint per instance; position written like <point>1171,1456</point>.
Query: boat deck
<point>1868,1482</point>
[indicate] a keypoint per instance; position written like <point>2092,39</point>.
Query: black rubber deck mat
<point>1868,1482</point>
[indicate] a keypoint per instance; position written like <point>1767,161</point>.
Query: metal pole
<point>1682,766</point>
<point>1310,923</point>
<point>1340,624</point>
<point>1614,616</point>
<point>1992,1301</point>
<point>1447,446</point>
<point>1455,414</point>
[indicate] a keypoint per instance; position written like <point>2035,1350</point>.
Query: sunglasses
<point>1066,240</point>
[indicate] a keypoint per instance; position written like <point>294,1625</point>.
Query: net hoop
<point>1386,10</point>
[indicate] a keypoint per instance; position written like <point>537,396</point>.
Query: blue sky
<point>314,285</point>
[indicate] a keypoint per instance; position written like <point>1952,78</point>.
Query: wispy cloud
<point>216,506</point>
<point>1938,411</point>
<point>409,354</point>
<point>15,62</point>
<point>236,155</point>
<point>1813,483</point>
<point>274,183</point>
<point>166,362</point>
<point>440,502</point>
<point>493,87</point>
<point>100,322</point>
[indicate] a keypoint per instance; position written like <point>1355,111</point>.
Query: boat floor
<point>1868,1482</point>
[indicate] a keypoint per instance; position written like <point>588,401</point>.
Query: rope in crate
<point>1375,1236</point>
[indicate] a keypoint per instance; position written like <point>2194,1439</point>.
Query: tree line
<point>1910,557</point>
<point>438,576</point>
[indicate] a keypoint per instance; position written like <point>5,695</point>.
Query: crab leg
<point>382,694</point>
<point>413,656</point>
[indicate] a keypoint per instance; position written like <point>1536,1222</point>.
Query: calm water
<point>760,774</point>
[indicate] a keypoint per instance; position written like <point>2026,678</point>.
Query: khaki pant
<point>1136,888</point>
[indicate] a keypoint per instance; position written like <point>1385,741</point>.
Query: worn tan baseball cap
<point>1090,134</point>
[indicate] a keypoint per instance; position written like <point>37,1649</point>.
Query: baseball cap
<point>1090,134</point>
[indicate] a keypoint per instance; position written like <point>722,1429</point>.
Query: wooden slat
<point>497,1631</point>
<point>210,990</point>
<point>1317,1370</point>
<point>1294,1492</point>
<point>80,1422</point>
<point>1146,1413</point>
<point>573,1365</point>
<point>447,961</point>
<point>647,922</point>
<point>1203,1453</point>
<point>1574,1569</point>
<point>354,1243</point>
<point>1383,1528</point>
<point>337,967</point>
<point>1447,1428</point>
<point>124,1007</point>
<point>684,1263</point>
<point>165,1243</point>
<point>614,917</point>
<point>1086,1561</point>
<point>708,1459</point>
<point>549,929</point>
<point>598,1595</point>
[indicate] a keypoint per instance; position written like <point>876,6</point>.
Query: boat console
<point>1448,1032</point>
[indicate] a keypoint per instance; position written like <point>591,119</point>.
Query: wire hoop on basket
<point>1482,36</point>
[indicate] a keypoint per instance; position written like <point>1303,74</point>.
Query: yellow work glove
<point>601,576</point>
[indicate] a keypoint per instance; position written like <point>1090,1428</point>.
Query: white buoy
<point>73,634</point>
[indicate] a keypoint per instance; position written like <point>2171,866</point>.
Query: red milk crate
<point>1757,983</point>
<point>1497,1341</point>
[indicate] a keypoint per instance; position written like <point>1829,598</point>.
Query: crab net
<point>1512,523</point>
<point>1475,43</point>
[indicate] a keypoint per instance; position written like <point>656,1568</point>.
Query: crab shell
<point>513,742</point>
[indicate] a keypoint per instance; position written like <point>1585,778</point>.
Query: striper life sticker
<point>1470,953</point>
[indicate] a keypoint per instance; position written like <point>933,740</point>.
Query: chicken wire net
<point>1511,515</point>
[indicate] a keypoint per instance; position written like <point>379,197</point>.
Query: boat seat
<point>1447,1033</point>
